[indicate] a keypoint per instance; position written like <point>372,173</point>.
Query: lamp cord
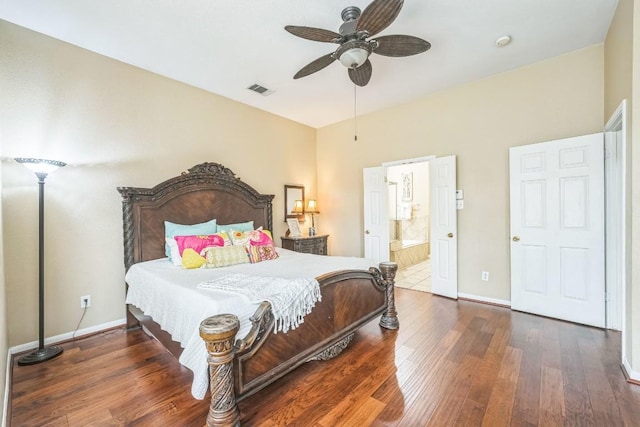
<point>84,311</point>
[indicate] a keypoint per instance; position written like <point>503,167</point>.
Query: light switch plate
<point>459,204</point>
<point>459,194</point>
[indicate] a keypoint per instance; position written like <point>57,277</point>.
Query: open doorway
<point>409,224</point>
<point>441,224</point>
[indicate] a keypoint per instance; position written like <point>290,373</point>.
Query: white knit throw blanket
<point>290,299</point>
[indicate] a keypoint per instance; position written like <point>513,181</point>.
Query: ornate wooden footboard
<point>349,300</point>
<point>240,366</point>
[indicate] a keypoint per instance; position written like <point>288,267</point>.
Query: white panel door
<point>376,214</point>
<point>557,229</point>
<point>444,238</point>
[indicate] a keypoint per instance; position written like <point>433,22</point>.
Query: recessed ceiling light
<point>502,41</point>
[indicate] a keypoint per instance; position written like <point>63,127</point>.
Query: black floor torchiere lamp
<point>42,168</point>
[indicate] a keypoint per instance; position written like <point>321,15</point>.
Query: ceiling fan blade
<point>315,34</point>
<point>401,45</point>
<point>314,66</point>
<point>362,74</point>
<point>378,15</point>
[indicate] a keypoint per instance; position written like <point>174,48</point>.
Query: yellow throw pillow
<point>191,259</point>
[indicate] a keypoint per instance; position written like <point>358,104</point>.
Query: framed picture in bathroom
<point>407,186</point>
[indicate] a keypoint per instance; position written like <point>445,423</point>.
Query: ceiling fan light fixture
<point>354,43</point>
<point>354,57</point>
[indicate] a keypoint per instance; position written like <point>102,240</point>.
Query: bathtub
<point>408,252</point>
<point>410,243</point>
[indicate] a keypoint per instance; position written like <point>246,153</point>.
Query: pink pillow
<point>260,238</point>
<point>198,243</point>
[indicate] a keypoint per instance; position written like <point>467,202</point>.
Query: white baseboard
<point>486,300</point>
<point>52,340</point>
<point>67,336</point>
<point>633,375</point>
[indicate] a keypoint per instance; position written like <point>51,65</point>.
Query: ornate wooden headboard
<point>206,191</point>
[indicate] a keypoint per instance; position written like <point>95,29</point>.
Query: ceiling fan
<point>355,42</point>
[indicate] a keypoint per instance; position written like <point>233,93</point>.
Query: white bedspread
<point>170,295</point>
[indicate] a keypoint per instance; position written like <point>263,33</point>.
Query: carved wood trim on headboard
<point>206,191</point>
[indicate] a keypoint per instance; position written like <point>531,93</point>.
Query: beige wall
<point>477,122</point>
<point>618,50</point>
<point>115,125</point>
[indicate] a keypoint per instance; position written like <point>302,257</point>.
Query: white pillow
<point>174,252</point>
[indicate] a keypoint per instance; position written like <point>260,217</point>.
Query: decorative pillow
<point>174,252</point>
<point>241,226</point>
<point>171,229</point>
<point>225,256</point>
<point>192,259</point>
<point>257,237</point>
<point>260,253</point>
<point>179,244</point>
<point>198,243</point>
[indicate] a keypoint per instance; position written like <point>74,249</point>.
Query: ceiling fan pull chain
<point>355,113</point>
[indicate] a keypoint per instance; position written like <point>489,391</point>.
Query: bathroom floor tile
<point>416,277</point>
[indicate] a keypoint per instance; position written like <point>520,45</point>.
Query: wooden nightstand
<point>311,245</point>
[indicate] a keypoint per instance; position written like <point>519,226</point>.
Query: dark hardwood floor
<point>452,363</point>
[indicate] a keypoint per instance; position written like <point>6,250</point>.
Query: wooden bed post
<point>389,318</point>
<point>219,332</point>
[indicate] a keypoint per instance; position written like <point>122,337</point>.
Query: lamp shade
<point>298,207</point>
<point>312,206</point>
<point>40,166</point>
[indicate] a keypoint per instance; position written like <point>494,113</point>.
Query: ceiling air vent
<point>260,89</point>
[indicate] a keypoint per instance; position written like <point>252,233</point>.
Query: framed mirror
<point>291,194</point>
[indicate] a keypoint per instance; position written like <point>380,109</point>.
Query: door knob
<point>450,235</point>
<point>516,238</point>
<point>366,232</point>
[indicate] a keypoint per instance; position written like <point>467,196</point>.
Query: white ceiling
<point>224,46</point>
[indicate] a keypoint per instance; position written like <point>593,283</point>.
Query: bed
<point>241,364</point>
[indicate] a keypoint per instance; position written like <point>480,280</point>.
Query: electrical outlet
<point>485,276</point>
<point>85,301</point>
